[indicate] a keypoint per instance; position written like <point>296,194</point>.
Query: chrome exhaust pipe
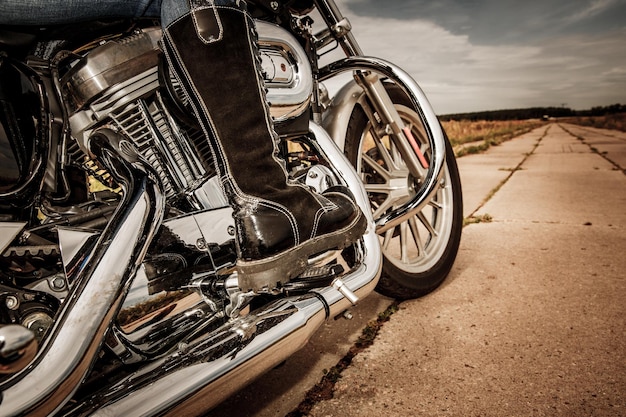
<point>198,377</point>
<point>102,278</point>
<point>202,374</point>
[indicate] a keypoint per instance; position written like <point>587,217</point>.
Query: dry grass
<point>477,136</point>
<point>615,121</point>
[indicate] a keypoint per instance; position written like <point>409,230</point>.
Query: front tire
<point>418,253</point>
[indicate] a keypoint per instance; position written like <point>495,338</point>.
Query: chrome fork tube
<point>102,280</point>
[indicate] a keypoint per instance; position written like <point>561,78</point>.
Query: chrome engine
<point>121,84</point>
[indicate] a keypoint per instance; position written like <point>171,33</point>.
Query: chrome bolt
<point>312,174</point>
<point>231,230</point>
<point>12,302</point>
<point>58,284</point>
<point>274,5</point>
<point>201,244</point>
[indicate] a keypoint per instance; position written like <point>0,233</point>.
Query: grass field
<point>469,137</point>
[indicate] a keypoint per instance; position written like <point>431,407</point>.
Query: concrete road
<point>530,322</point>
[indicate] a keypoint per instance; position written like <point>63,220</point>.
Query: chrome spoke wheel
<point>416,244</point>
<point>419,252</point>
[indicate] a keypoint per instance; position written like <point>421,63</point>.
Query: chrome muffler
<point>201,374</point>
<point>102,277</point>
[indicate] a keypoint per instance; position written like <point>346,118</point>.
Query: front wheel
<point>418,253</point>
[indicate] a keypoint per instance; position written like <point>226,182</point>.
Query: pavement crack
<point>583,140</point>
<point>324,389</point>
<point>485,218</point>
<point>470,219</point>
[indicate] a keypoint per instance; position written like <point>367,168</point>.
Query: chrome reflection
<point>287,71</point>
<point>68,352</point>
<point>165,305</point>
<point>200,374</point>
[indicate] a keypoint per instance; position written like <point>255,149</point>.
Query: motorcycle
<point>119,293</point>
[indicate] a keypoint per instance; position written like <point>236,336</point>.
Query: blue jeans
<point>50,12</point>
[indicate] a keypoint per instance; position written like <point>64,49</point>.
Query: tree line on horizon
<point>534,113</point>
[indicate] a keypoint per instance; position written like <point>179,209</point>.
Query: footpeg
<point>321,272</point>
<point>314,277</point>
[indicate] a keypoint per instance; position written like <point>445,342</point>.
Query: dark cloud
<point>486,54</point>
<point>503,21</point>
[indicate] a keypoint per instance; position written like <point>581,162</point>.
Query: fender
<point>337,117</point>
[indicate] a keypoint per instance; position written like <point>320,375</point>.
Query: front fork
<point>339,29</point>
<point>367,73</point>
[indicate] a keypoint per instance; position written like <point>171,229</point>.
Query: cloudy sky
<point>477,55</point>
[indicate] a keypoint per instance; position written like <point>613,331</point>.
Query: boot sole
<point>269,274</point>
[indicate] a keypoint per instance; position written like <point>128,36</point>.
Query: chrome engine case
<point>285,68</point>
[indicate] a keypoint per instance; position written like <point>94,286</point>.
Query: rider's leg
<point>51,12</point>
<point>212,51</point>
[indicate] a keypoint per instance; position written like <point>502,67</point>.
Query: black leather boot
<point>279,224</point>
